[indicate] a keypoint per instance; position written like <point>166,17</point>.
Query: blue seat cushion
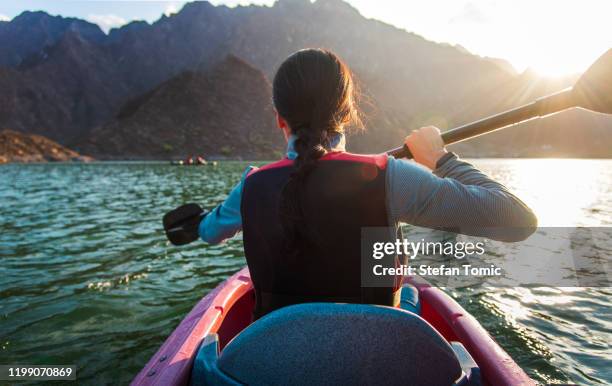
<point>330,343</point>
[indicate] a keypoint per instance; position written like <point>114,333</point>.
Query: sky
<point>551,37</point>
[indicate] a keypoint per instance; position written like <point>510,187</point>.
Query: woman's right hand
<point>426,146</point>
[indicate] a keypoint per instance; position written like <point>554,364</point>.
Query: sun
<point>559,63</point>
<point>557,67</point>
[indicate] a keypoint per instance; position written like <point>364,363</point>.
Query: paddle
<point>181,224</point>
<point>593,91</point>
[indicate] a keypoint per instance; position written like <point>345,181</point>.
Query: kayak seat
<point>331,343</point>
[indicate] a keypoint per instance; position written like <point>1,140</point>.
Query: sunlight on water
<point>563,192</point>
<point>88,277</point>
<point>566,330</point>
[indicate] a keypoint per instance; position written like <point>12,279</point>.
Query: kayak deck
<point>227,310</point>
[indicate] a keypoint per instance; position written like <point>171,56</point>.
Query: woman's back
<point>343,195</point>
<point>303,217</point>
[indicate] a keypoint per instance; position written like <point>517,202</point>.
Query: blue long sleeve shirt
<point>455,196</point>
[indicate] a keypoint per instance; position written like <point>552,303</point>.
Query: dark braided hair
<point>313,92</point>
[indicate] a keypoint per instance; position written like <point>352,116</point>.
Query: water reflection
<point>562,192</point>
<point>558,334</point>
<point>88,278</point>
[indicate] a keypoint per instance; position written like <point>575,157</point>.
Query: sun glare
<point>556,69</point>
<point>556,201</point>
<point>552,38</point>
<point>560,64</point>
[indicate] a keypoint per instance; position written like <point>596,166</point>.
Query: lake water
<point>87,277</point>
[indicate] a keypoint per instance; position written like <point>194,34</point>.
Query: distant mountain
<point>574,133</point>
<point>73,87</point>
<point>76,80</point>
<point>504,65</point>
<point>31,32</point>
<point>19,147</point>
<point>224,111</point>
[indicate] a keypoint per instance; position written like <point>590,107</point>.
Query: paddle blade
<point>593,90</point>
<point>181,224</point>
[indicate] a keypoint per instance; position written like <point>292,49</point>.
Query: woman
<point>302,216</point>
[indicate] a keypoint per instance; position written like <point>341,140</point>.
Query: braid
<point>309,147</point>
<point>313,92</point>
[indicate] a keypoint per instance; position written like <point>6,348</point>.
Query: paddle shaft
<point>540,107</point>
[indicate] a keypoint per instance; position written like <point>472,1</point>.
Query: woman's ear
<point>282,124</point>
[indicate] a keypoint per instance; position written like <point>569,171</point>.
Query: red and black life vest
<point>342,195</point>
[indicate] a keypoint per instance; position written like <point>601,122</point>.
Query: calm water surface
<point>86,275</point>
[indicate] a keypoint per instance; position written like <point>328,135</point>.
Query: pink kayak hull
<point>227,311</point>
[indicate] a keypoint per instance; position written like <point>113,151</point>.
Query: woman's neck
<point>337,142</point>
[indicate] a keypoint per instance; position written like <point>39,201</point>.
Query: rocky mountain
<point>76,81</point>
<point>19,147</point>
<point>224,111</point>
<point>71,88</point>
<point>573,133</point>
<point>28,34</point>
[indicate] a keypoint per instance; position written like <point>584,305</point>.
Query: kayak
<point>183,163</point>
<point>217,343</point>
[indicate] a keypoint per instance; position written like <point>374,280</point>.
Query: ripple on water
<point>88,277</point>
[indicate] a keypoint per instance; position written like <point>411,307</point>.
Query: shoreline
<point>170,161</point>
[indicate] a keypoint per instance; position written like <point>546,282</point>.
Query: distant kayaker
<point>302,216</point>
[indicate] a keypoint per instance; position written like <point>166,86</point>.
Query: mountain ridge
<point>79,84</point>
<point>31,31</point>
<point>223,111</point>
